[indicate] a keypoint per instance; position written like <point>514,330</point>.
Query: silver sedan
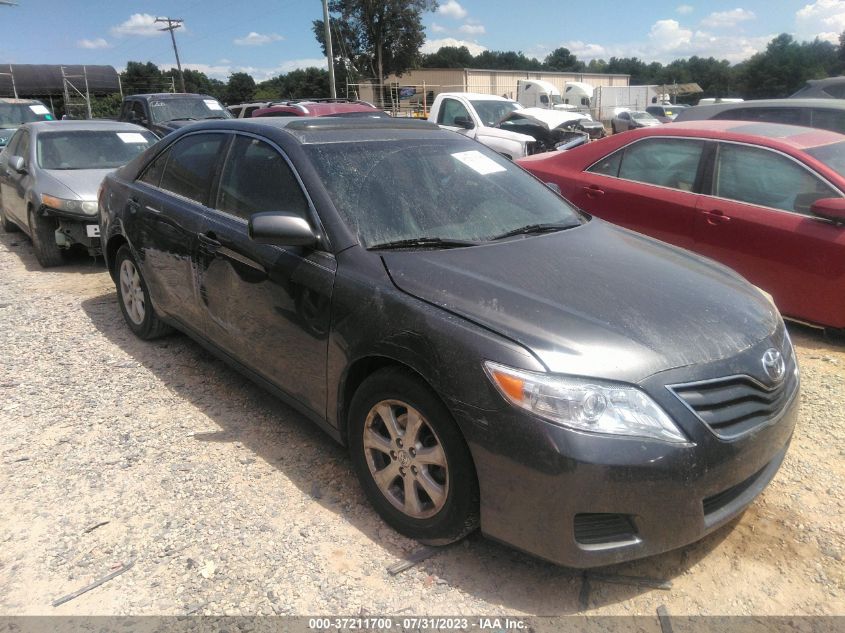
<point>632,119</point>
<point>49,176</point>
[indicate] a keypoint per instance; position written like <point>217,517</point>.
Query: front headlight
<point>585,404</point>
<point>88,207</point>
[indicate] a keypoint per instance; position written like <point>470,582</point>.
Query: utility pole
<point>172,25</point>
<point>329,52</point>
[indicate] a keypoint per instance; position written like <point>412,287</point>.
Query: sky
<point>267,37</point>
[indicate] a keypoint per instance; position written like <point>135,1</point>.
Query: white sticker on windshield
<point>39,109</point>
<point>211,104</point>
<point>131,137</point>
<point>478,162</point>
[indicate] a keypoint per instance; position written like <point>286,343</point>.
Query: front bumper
<point>585,500</point>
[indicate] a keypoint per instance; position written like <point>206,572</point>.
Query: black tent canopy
<point>42,80</point>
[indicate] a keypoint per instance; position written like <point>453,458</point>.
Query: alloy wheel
<point>132,292</point>
<point>406,459</point>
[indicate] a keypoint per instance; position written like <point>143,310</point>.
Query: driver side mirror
<point>464,122</point>
<point>832,209</point>
<point>17,163</point>
<point>281,228</point>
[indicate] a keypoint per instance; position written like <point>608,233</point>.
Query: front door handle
<point>592,191</point>
<point>133,205</point>
<point>716,217</point>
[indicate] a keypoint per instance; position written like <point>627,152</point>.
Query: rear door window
<point>765,178</point>
<point>257,178</point>
<point>665,162</point>
<point>191,166</point>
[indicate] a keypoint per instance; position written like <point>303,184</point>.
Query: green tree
<point>297,84</point>
<point>240,88</point>
<point>561,60</point>
<point>376,37</point>
<point>506,60</point>
<point>143,77</point>
<point>448,57</point>
<point>200,83</point>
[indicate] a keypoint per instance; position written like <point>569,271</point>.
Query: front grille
<point>735,405</point>
<point>592,529</point>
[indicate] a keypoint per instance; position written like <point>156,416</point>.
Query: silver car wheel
<point>406,459</point>
<point>131,292</point>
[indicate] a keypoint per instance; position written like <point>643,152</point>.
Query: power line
<point>172,25</point>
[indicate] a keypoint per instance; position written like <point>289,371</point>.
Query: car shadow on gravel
<point>77,260</point>
<point>269,430</point>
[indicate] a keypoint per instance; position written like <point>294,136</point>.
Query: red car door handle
<point>716,217</point>
<point>592,191</point>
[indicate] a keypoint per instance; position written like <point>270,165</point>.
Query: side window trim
<point>312,210</point>
<point>699,173</point>
<point>815,174</point>
<point>169,147</point>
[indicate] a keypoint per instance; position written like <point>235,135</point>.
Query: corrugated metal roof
<point>38,80</point>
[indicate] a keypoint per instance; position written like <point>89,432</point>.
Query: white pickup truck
<point>475,115</point>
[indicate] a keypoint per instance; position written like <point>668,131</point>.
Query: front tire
<point>411,459</point>
<point>134,298</point>
<point>43,232</point>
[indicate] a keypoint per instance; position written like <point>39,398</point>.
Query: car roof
<point>475,95</point>
<point>796,136</point>
<point>86,125</point>
<point>317,108</point>
<point>14,101</point>
<point>170,95</point>
<point>308,130</point>
<point>830,104</point>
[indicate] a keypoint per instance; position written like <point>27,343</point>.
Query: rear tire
<point>411,459</point>
<point>43,232</point>
<point>134,298</point>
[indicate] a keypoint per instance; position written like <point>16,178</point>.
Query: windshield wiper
<point>433,242</point>
<point>547,227</point>
<point>216,117</point>
<point>184,118</point>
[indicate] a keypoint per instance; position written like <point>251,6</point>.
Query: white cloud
<point>727,19</point>
<point>684,9</point>
<point>452,9</point>
<point>436,28</point>
<point>824,19</point>
<point>93,44</point>
<point>472,29</point>
<point>142,24</point>
<point>257,39</point>
<point>668,40</point>
<point>432,46</point>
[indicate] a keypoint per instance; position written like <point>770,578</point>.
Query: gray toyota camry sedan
<point>49,176</point>
<point>491,356</point>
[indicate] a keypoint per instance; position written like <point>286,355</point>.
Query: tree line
<point>778,71</point>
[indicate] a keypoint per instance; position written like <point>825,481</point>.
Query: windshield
<point>491,112</point>
<point>90,149</point>
<point>641,116</point>
<point>832,155</point>
<point>189,108</point>
<point>557,99</point>
<point>15,114</point>
<point>449,189</point>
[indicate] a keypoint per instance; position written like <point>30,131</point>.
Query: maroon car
<point>322,107</point>
<point>763,198</point>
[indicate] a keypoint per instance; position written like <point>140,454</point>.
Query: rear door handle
<point>133,205</point>
<point>592,191</point>
<point>716,217</point>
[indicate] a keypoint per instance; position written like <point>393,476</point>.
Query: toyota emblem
<point>774,365</point>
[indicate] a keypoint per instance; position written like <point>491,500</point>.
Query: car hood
<point>550,119</point>
<point>164,128</point>
<point>596,300</point>
<point>494,132</point>
<point>82,183</point>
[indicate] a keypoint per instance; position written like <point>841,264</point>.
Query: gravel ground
<point>229,502</point>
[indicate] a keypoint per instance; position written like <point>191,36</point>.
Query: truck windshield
<point>187,109</point>
<point>81,149</point>
<point>557,99</point>
<point>491,112</point>
<point>15,114</point>
<point>434,189</point>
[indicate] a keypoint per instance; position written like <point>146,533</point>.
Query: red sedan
<point>766,199</point>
